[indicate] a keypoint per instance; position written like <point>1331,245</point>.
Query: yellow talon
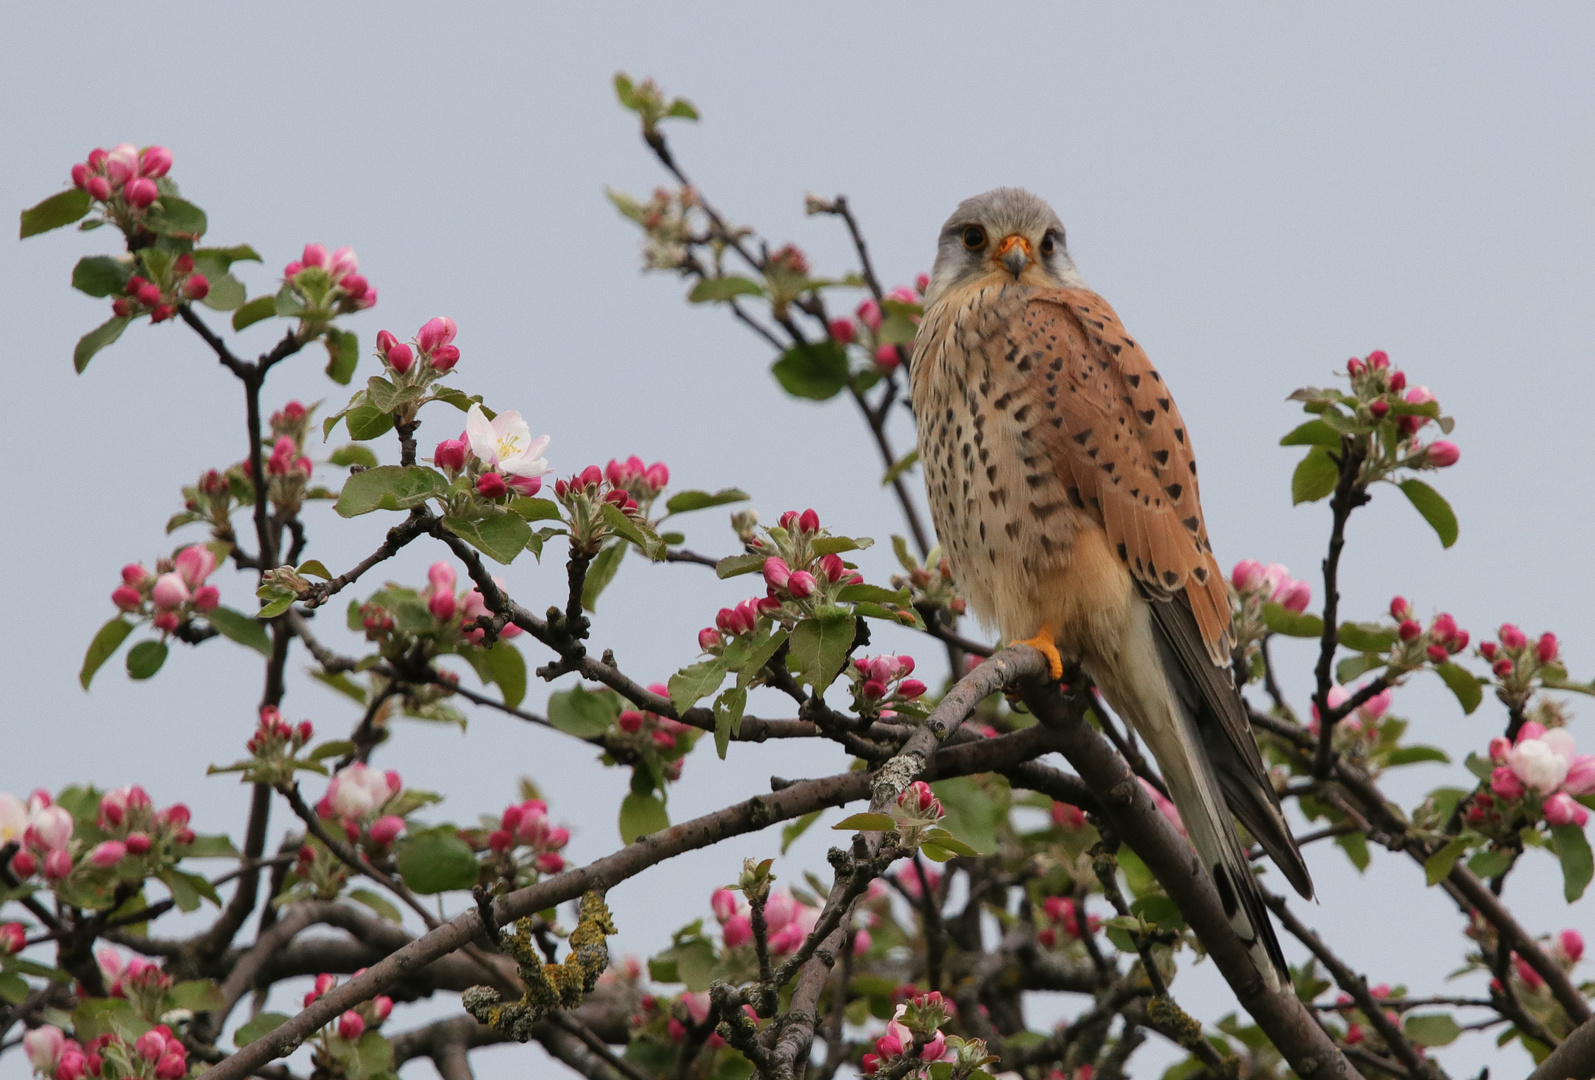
<point>1044,644</point>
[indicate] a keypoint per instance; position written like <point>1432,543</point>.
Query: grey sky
<point>1260,190</point>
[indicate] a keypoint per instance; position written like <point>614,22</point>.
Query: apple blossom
<point>170,591</point>
<point>43,1046</point>
<point>356,790</point>
<point>351,1025</point>
<point>506,443</point>
<point>50,829</point>
<point>13,939</point>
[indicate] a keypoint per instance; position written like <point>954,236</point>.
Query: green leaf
<point>106,641</point>
<point>14,989</point>
<point>353,454</point>
<point>1292,623</point>
<point>277,601</point>
<point>146,658</point>
<point>582,713</point>
<point>1313,433</point>
<point>638,534</point>
<point>1435,510</point>
<point>899,467</point>
<point>817,371</point>
<point>262,1024</point>
<point>97,339</point>
<point>684,501</point>
<point>1366,638</point>
<point>535,509</point>
<point>728,717</point>
<point>1489,864</point>
<point>1572,848</point>
<point>735,565</point>
<point>509,671</point>
<point>857,594</point>
<point>435,861</point>
<point>226,293</point>
<point>1463,683</point>
<point>368,422</point>
<point>392,487</point>
<point>693,963</point>
<point>1432,1029</point>
<point>695,682</point>
<point>377,903</point>
<point>286,304</point>
<point>946,840</point>
<point>819,647</point>
<point>1315,477</point>
<point>173,216</point>
<point>723,288</point>
<point>834,545</point>
<point>226,256</point>
<point>971,812</point>
<point>1438,865</point>
<point>1411,755</point>
<point>62,208</point>
<point>685,110</point>
<point>1355,845</point>
<point>641,815</point>
<point>196,995</point>
<point>343,354</point>
<point>215,846</point>
<point>458,398</point>
<point>244,629</point>
<point>759,655</point>
<point>601,573</point>
<point>101,275</point>
<point>261,307</point>
<point>794,829</point>
<point>500,538</point>
<point>187,889</point>
<point>1348,670</point>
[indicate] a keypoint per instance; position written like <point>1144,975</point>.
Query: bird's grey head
<point>1006,231</point>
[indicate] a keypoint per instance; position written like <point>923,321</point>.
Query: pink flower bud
<point>154,161</point>
<point>80,175</point>
<point>934,1049</point>
<point>151,1046</point>
<point>801,584</point>
<point>197,287</point>
<point>500,840</point>
<point>355,285</point>
<point>108,854</point>
<point>776,572</point>
<point>351,1025</point>
<point>1355,366</point>
<point>314,255</point>
<point>399,358</point>
<point>889,1045</point>
<point>1498,749</point>
<point>12,938</point>
<point>886,357</point>
<point>1409,630</point>
<point>1547,648</point>
<point>663,740</point>
<point>1580,779</point>
<point>1442,454</point>
<point>550,862</point>
<point>196,563</point>
<point>842,330</point>
<point>1293,595</point>
<point>394,781</point>
<point>381,1007</point>
<point>910,689</point>
<point>779,911</point>
<point>1511,636</point>
<point>449,455</point>
<point>491,486</point>
<point>869,313</point>
<point>1378,359</point>
<point>57,865</point>
<point>630,720</point>
<point>138,843</point>
<point>1560,809</point>
<point>1504,782</point>
<point>557,837</point>
<point>170,591</point>
<point>871,1064</point>
<point>1247,576</point>
<point>723,902</point>
<point>385,830</point>
<point>141,192</point>
<point>833,567</point>
<point>1438,653</point>
<point>148,294</point>
<point>809,521</point>
<point>436,333</point>
<point>207,598</point>
<point>24,864</point>
<point>126,597</point>
<point>444,357</point>
<point>442,606</point>
<point>873,689</point>
<point>1398,381</point>
<point>738,930</point>
<point>1571,943</point>
<point>709,639</point>
<point>134,574</point>
<point>72,1066</point>
<point>98,187</point>
<point>1380,408</point>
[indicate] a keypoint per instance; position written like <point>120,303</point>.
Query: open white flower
<point>14,819</point>
<point>506,442</point>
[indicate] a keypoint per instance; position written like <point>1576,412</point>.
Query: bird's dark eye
<point>1048,244</point>
<point>974,237</point>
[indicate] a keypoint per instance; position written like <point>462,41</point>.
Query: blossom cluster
<point>787,921</point>
<point>361,800</point>
<point>273,744</point>
<point>499,456</point>
<point>663,733</point>
<point>1382,390</point>
<point>1363,723</point>
<point>158,1054</point>
<point>930,585</point>
<point>355,1022</point>
<point>1517,663</point>
<point>913,1030</point>
<point>328,284</point>
<point>173,592</point>
<point>1061,921</point>
<point>397,618</point>
<point>881,685</point>
<point>628,486</point>
<point>667,225</point>
<point>134,978</point>
<point>128,827</point>
<point>1442,640</point>
<point>525,825</point>
<point>160,299</point>
<point>1542,766</point>
<point>1271,584</point>
<point>865,328</point>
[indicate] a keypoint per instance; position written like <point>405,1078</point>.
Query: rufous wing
<point>1117,433</point>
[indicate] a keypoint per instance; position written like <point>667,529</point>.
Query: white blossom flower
<point>1538,764</point>
<point>506,442</point>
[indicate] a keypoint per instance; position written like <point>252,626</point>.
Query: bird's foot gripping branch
<point>978,879</point>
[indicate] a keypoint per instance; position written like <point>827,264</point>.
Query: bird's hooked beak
<point>1014,253</point>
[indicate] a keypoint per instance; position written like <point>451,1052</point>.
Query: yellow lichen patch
<point>550,988</point>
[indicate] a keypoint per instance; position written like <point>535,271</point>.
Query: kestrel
<point>1063,487</point>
